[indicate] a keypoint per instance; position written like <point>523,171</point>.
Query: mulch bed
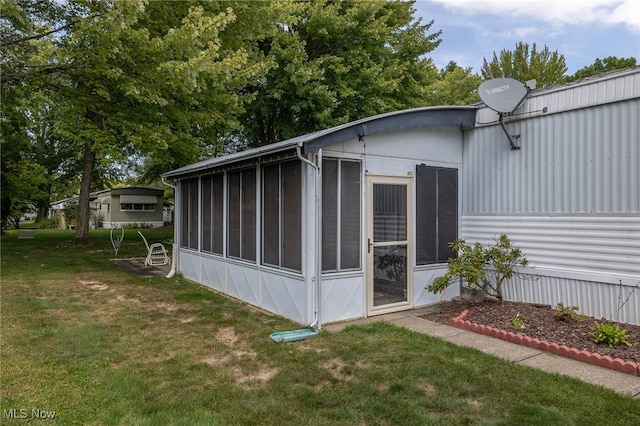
<point>539,323</point>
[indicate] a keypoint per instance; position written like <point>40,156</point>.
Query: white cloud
<point>525,32</point>
<point>557,12</point>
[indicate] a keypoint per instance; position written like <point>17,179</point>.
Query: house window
<point>212,213</point>
<point>341,200</point>
<point>281,210</point>
<point>137,207</point>
<point>189,222</point>
<point>241,240</point>
<point>436,213</point>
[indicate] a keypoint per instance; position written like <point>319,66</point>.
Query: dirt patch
<point>94,285</point>
<point>227,336</point>
<point>539,323</point>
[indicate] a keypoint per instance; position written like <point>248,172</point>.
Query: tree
<point>135,78</point>
<point>610,63</point>
<point>546,67</point>
<point>455,86</point>
<point>339,61</point>
<point>22,183</point>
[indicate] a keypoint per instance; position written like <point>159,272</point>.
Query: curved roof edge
<point>441,116</point>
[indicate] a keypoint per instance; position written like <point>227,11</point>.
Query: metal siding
<point>596,244</point>
<point>570,198</point>
<point>596,299</point>
<point>582,161</point>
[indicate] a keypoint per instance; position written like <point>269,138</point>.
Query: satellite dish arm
<point>512,138</point>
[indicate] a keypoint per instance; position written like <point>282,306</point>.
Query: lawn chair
<point>156,253</point>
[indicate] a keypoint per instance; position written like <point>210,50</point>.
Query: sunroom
<point>348,222</point>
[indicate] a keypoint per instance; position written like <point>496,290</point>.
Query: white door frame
<point>370,244</point>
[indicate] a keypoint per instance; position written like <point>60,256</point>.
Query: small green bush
<point>48,224</point>
<point>485,268</point>
<point>519,322</point>
<point>567,313</point>
<point>610,334</point>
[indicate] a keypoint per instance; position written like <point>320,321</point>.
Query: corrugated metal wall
<point>569,198</point>
<point>605,245</point>
<point>581,161</point>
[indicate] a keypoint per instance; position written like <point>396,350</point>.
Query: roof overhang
<point>451,116</point>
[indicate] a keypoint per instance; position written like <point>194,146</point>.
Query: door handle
<point>369,245</point>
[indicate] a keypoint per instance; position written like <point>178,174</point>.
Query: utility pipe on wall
<point>318,230</point>
<point>174,251</point>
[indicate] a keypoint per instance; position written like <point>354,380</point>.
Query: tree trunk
<point>42,210</point>
<point>88,164</point>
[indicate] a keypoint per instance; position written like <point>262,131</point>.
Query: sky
<point>580,30</point>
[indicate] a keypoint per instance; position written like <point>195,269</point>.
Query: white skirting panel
<point>214,273</point>
<point>286,296</point>
<point>282,294</point>
<point>342,298</point>
<point>243,282</point>
<point>422,278</point>
<point>189,265</point>
<point>589,261</point>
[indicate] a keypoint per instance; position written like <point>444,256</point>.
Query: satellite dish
<point>503,95</point>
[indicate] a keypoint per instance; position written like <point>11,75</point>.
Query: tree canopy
<point>134,77</point>
<point>94,87</point>
<point>338,61</point>
<point>526,63</point>
<point>610,63</point>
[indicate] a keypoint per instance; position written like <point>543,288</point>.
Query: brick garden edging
<point>605,361</point>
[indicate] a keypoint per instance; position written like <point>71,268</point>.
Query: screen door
<point>388,247</point>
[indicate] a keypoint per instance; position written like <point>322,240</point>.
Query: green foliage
<point>139,78</point>
<point>485,268</point>
<point>339,62</point>
<point>567,313</point>
<point>518,322</point>
<point>71,210</point>
<point>546,67</point>
<point>610,334</point>
<point>48,223</point>
<point>610,63</point>
<point>455,86</point>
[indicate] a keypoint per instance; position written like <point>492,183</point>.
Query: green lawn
<point>97,345</point>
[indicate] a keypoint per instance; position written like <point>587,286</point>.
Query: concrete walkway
<point>620,382</point>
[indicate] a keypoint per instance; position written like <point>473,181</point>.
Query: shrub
<point>48,223</point>
<point>566,313</point>
<point>485,268</point>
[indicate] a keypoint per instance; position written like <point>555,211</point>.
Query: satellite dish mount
<point>505,95</point>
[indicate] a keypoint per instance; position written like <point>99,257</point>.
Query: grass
<point>98,345</point>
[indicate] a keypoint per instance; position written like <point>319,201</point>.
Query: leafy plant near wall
<point>610,334</point>
<point>567,313</point>
<point>518,322</point>
<point>485,268</point>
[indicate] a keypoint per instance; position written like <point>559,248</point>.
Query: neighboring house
<point>121,207</point>
<point>355,221</point>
